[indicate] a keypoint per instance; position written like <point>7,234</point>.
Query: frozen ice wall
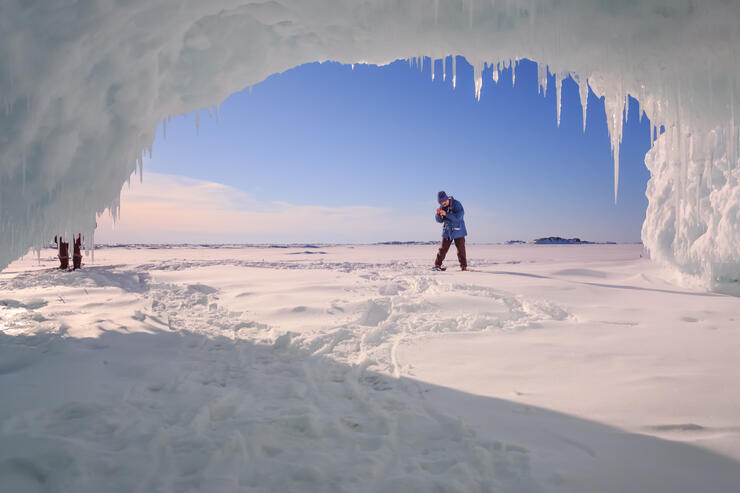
<point>84,84</point>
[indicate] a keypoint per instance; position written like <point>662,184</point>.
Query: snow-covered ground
<point>355,368</point>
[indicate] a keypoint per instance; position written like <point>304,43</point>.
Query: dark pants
<point>77,255</point>
<point>63,254</point>
<point>459,244</point>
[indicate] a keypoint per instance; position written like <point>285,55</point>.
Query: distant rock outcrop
<point>556,240</point>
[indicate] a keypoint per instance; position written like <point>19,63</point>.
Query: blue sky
<point>372,146</point>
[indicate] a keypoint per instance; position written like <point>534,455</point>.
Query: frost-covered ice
<point>553,368</point>
<point>84,86</point>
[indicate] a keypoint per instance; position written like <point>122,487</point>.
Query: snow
<point>550,368</point>
<point>84,87</point>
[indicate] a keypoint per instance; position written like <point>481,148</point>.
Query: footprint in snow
<point>375,313</point>
<point>201,288</point>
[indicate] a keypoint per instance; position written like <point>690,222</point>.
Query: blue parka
<point>453,224</point>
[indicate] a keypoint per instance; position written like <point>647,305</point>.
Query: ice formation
<point>83,86</point>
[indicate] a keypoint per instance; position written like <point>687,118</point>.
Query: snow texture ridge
<point>84,86</point>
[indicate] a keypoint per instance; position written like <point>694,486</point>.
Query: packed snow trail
<point>211,370</point>
<point>82,102</point>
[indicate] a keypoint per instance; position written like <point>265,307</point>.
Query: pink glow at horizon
<point>175,209</point>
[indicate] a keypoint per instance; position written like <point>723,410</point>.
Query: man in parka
<point>450,214</point>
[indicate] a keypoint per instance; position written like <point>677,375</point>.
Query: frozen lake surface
<point>573,368</point>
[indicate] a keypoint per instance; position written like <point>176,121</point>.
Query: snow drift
<point>83,86</point>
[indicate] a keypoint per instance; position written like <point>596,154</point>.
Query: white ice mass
<point>83,86</point>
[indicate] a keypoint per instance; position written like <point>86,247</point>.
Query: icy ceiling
<point>84,84</point>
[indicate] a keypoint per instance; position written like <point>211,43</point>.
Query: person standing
<point>451,215</point>
<point>77,255</point>
<point>63,253</point>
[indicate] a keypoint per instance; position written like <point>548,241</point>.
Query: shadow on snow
<point>178,411</point>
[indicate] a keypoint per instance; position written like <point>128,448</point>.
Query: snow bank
<point>84,86</point>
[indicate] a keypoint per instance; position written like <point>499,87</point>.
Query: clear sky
<point>330,153</point>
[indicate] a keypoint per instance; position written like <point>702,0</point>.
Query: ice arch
<point>84,83</point>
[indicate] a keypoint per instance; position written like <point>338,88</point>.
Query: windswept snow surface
<point>553,368</point>
<point>85,84</point>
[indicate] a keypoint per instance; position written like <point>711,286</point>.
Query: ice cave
<point>84,85</point>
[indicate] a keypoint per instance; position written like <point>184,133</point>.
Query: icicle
<point>434,65</point>
<point>478,78</point>
<point>444,69</point>
<point>164,128</point>
<point>495,74</point>
<point>542,79</point>
<point>140,166</point>
<point>92,246</point>
<point>197,122</point>
<point>353,66</point>
<point>614,106</point>
<point>682,152</point>
<point>583,93</point>
<point>690,159</point>
<point>674,159</point>
<point>712,145</point>
<point>615,150</point>
<point>626,107</point>
<point>732,144</point>
<point>657,113</point>
<point>558,95</point>
<point>513,73</point>
<point>454,71</point>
